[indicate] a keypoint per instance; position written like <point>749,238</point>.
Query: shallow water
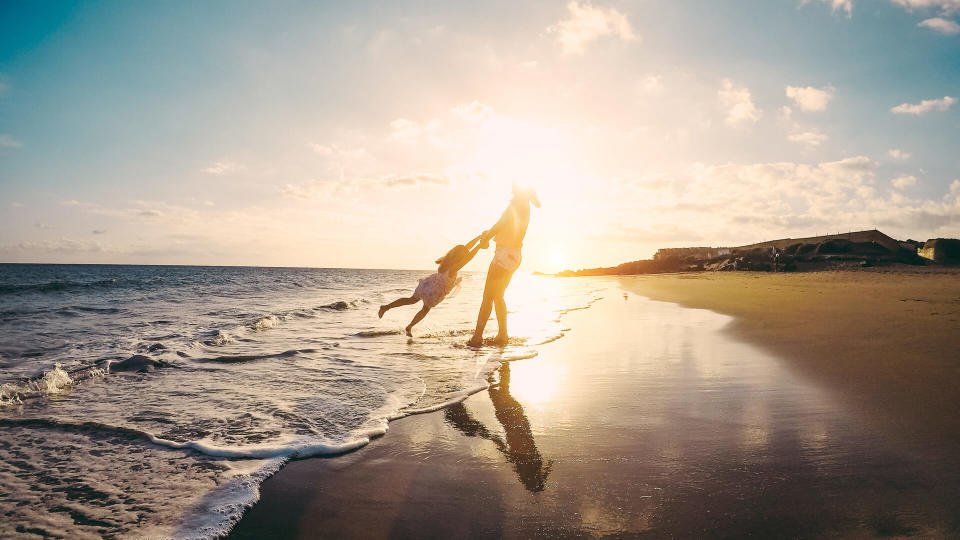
<point>253,366</point>
<point>646,420</point>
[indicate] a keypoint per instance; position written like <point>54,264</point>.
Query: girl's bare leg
<point>397,303</point>
<point>417,318</point>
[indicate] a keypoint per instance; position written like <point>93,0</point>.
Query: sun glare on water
<point>535,381</point>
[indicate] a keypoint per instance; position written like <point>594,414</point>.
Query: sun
<point>558,259</point>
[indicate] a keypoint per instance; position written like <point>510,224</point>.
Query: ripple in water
<point>163,404</point>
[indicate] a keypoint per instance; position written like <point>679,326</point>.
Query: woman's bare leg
<point>397,303</point>
<point>417,318</point>
<point>497,281</point>
<point>485,307</point>
<point>501,306</point>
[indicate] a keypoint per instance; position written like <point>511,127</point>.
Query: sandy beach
<point>887,341</point>
<point>798,406</point>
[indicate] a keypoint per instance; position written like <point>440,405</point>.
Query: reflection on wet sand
<point>519,448</point>
<point>656,424</point>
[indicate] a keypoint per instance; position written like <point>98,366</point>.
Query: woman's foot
<point>500,340</point>
<point>409,333</point>
<point>383,309</point>
<point>475,342</point>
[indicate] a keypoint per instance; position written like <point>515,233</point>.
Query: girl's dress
<point>434,288</point>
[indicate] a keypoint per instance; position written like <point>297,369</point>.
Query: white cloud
<point>220,168</point>
<point>16,205</point>
<point>62,246</point>
<point>322,149</point>
<point>652,84</point>
<point>947,6</point>
<point>898,155</point>
<point>742,203</point>
<point>404,130</point>
<point>738,103</point>
<point>903,181</point>
<point>924,106</point>
<point>944,26</point>
<point>473,112</point>
<point>809,98</point>
<point>786,113</point>
<point>414,180</point>
<point>75,203</point>
<point>812,138</point>
<point>587,23</point>
<point>7,141</point>
<point>325,189</point>
<point>837,5</point>
<point>344,155</point>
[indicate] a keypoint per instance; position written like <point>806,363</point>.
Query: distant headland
<point>834,251</point>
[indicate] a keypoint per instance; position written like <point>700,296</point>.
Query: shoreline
<point>566,448</point>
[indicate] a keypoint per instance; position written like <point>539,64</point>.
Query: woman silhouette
<point>508,233</point>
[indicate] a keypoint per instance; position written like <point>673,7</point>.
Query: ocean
<point>154,400</point>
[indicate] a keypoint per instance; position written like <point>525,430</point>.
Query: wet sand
<point>647,420</point>
<point>888,341</point>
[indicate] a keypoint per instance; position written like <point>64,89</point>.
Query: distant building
<point>941,250</point>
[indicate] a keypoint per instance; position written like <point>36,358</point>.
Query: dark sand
<point>650,420</point>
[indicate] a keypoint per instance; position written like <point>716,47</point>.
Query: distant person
<point>508,233</point>
<point>434,288</point>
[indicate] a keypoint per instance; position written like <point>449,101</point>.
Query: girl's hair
<point>452,257</point>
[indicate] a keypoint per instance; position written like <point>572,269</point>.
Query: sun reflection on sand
<point>536,381</point>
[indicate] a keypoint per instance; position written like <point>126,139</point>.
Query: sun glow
<point>509,151</point>
<point>558,260</point>
<point>534,381</point>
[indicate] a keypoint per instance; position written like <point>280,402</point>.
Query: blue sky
<point>369,134</point>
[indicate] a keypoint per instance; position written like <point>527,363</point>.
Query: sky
<point>380,134</point>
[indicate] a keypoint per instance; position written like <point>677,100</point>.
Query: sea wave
<point>234,359</point>
<point>377,333</point>
<point>263,323</point>
<point>55,286</point>
<point>342,305</point>
<point>258,375</point>
<point>53,381</point>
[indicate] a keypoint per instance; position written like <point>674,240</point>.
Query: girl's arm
<point>472,253</point>
<point>469,245</point>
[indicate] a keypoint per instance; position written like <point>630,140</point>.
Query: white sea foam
<point>264,323</point>
<point>221,338</point>
<point>53,381</point>
<point>342,377</point>
<point>222,509</point>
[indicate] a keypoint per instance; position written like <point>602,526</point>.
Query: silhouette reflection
<point>519,446</point>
